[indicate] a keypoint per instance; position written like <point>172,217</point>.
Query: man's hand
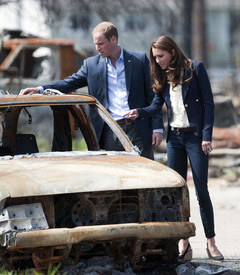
<point>29,91</point>
<point>132,114</point>
<point>156,139</point>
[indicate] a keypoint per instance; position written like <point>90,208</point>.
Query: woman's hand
<point>132,114</point>
<point>207,147</point>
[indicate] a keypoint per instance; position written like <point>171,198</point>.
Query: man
<point>120,80</point>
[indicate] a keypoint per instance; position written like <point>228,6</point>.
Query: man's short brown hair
<point>106,28</point>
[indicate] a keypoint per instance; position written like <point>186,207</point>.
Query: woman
<point>183,85</point>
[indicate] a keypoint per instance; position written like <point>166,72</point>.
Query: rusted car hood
<point>43,174</point>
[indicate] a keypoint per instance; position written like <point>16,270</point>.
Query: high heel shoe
<point>215,258</point>
<point>186,255</point>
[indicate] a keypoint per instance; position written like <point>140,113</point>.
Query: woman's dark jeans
<point>180,148</point>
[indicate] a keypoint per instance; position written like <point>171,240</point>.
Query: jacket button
<point>197,100</point>
<point>186,105</point>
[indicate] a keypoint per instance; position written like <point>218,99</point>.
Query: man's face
<point>103,46</point>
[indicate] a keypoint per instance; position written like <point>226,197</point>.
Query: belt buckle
<point>125,121</point>
<point>178,130</point>
<point>128,121</point>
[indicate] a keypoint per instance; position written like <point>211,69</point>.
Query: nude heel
<point>187,255</point>
<point>215,258</point>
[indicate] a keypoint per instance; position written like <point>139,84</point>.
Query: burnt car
<point>82,203</point>
<point>29,61</point>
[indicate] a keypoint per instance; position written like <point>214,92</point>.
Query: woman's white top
<point>178,113</point>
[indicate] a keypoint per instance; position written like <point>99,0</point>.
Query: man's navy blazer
<point>93,74</point>
<point>197,100</point>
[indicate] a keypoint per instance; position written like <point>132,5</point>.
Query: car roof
<point>36,99</point>
<point>74,100</point>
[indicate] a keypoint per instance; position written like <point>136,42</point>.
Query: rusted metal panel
<point>185,202</point>
<point>37,41</point>
<point>80,118</point>
<point>15,49</point>
<point>67,59</point>
<point>15,46</point>
<point>54,175</point>
<point>35,61</point>
<point>55,237</point>
<point>36,100</point>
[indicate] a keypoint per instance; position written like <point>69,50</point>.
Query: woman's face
<point>163,58</point>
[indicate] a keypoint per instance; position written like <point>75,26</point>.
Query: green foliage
<point>13,272</point>
<point>44,145</point>
<point>4,272</point>
<point>79,145</point>
<point>52,270</point>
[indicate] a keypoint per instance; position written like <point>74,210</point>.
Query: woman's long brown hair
<point>176,73</point>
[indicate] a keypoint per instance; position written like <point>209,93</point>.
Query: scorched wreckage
<point>27,61</point>
<point>64,203</point>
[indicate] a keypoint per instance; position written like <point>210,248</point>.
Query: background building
<point>208,30</point>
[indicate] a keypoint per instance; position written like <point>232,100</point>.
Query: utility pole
<point>187,30</point>
<point>199,31</point>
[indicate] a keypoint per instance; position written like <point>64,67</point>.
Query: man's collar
<point>121,57</point>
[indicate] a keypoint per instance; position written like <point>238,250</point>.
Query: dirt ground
<point>226,204</point>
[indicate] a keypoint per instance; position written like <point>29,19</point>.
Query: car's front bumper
<point>68,236</point>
